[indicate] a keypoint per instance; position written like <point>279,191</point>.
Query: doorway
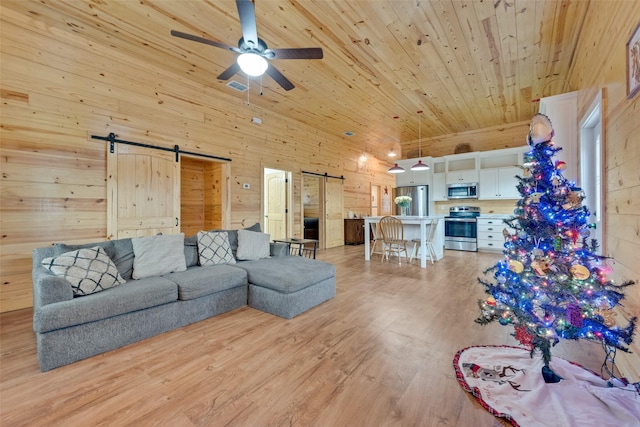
<point>591,168</point>
<point>375,197</point>
<point>312,208</point>
<point>277,199</point>
<point>203,195</point>
<point>323,209</point>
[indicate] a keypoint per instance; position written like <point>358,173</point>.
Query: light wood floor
<point>380,353</point>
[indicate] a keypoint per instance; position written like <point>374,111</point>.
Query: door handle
<point>176,221</point>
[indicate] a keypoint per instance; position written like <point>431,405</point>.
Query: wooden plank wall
<point>599,65</point>
<point>58,89</point>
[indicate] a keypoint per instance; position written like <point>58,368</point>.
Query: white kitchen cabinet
<point>439,192</point>
<point>462,177</point>
<point>403,179</point>
<point>491,233</point>
<point>499,183</point>
<point>462,168</point>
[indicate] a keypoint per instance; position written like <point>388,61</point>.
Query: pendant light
<point>391,152</point>
<point>395,168</point>
<point>420,166</point>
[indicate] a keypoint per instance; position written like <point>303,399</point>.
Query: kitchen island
<point>415,227</point>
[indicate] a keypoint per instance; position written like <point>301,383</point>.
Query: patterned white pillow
<point>89,270</point>
<point>214,248</point>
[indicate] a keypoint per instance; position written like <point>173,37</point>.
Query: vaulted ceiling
<point>468,64</point>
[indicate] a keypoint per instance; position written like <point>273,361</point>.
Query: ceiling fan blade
<point>247,14</point>
<point>229,72</point>
<point>202,40</point>
<point>298,53</point>
<point>279,78</point>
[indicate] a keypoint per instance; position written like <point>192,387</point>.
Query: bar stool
<point>430,242</point>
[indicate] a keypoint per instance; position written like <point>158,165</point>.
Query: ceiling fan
<point>253,52</point>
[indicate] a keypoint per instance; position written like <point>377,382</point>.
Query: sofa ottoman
<point>288,286</point>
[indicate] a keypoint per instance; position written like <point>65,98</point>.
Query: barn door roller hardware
<point>176,148</point>
<point>324,175</point>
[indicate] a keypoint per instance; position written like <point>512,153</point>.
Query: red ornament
<point>523,336</point>
<point>560,165</point>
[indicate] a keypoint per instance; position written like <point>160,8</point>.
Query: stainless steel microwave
<point>462,191</point>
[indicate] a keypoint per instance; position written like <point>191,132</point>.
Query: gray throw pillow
<point>158,255</point>
<point>214,248</point>
<point>191,250</point>
<point>88,270</point>
<point>107,245</point>
<point>253,245</point>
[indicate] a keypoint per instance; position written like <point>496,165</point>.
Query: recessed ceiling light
<point>349,133</point>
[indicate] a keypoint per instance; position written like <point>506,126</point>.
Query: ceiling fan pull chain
<point>260,85</point>
<point>248,89</point>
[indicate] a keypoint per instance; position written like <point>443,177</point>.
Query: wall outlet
<point>246,186</point>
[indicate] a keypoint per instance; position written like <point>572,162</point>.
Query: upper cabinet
<point>494,171</point>
<point>439,187</point>
<point>562,110</point>
<point>498,171</point>
<point>462,168</point>
<point>499,183</point>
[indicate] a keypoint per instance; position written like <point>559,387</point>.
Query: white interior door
<point>591,168</point>
<point>275,221</point>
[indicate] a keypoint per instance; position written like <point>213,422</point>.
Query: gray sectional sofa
<point>71,328</point>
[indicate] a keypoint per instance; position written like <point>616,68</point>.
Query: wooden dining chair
<point>393,241</point>
<point>376,242</point>
<point>429,243</point>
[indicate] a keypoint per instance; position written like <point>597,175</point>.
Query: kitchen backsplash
<point>486,206</point>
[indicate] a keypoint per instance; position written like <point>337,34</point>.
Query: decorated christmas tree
<point>551,284</point>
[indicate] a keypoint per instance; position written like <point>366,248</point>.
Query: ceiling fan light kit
<point>254,51</point>
<point>252,64</point>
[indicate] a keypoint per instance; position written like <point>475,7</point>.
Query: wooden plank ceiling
<point>468,64</point>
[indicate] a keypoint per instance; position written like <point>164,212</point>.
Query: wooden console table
<point>354,231</point>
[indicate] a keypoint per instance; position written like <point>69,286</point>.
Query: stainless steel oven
<point>461,228</point>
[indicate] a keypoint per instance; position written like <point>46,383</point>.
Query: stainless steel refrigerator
<point>419,199</point>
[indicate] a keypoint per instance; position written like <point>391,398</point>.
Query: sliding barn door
<point>334,219</point>
<point>143,189</point>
